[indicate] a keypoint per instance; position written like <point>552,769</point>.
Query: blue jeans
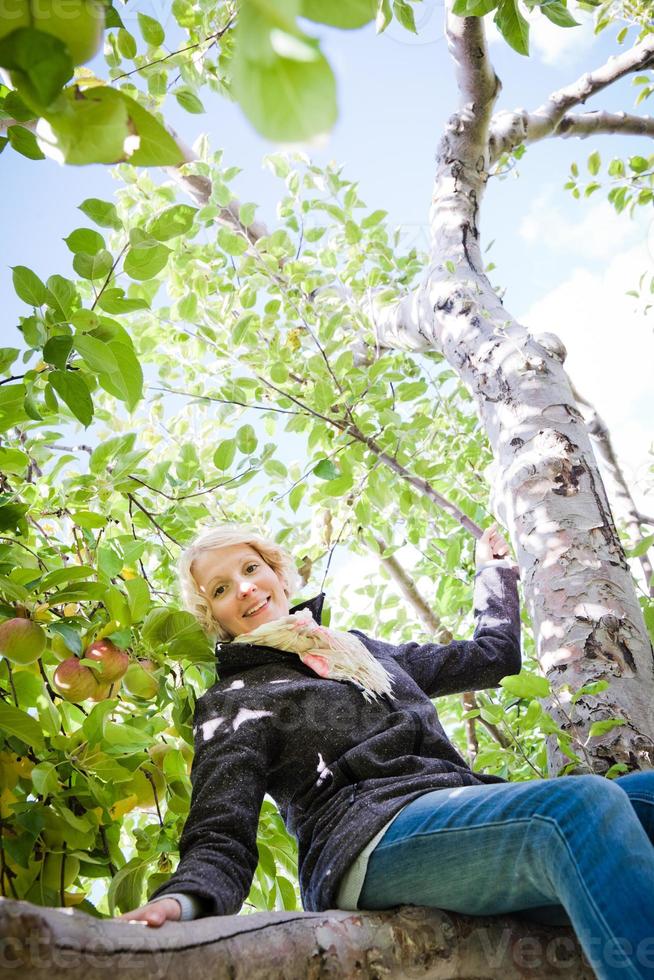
<point>577,849</point>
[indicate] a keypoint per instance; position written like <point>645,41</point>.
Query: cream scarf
<point>332,654</point>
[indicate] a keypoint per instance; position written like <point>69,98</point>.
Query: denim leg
<point>575,842</point>
<point>639,787</point>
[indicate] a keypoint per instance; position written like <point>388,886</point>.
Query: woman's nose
<point>246,587</point>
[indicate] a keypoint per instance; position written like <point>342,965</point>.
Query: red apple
<point>74,681</point>
<point>114,660</point>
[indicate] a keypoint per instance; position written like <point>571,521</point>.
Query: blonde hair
<point>221,537</point>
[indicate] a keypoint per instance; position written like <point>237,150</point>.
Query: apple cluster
<point>22,641</point>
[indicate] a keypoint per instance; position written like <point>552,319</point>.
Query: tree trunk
<point>56,944</point>
<point>547,487</point>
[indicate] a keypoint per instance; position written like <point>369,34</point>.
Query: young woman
<point>339,728</point>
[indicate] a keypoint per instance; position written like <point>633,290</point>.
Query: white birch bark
<point>547,486</point>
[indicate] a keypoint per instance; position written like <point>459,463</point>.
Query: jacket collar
<point>233,658</point>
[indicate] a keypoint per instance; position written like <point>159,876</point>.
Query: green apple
<point>140,680</point>
<point>51,874</point>
<point>21,640</point>
<point>78,23</point>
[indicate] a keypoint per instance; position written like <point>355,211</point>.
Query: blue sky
<point>565,264</point>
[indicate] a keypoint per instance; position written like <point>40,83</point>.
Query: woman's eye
<point>253,565</point>
<point>218,590</point>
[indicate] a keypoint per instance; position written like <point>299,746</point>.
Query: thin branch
<point>189,47</point>
<point>469,703</point>
<point>196,493</point>
<point>409,590</point>
<point>110,274</point>
<point>225,401</point>
<point>416,481</point>
<point>43,565</point>
<point>152,520</point>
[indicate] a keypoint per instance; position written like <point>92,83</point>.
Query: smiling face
<point>236,581</point>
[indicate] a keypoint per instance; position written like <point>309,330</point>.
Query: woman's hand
<point>491,546</point>
<point>155,913</point>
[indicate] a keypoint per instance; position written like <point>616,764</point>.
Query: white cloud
<point>598,233</point>
<point>610,348</point>
<point>553,45</point>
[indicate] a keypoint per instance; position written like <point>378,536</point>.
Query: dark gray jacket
<point>337,766</point>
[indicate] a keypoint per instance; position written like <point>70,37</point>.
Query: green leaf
<point>102,212</point>
<point>13,721</point>
<point>44,779</point>
<point>13,460</point>
<point>602,727</point>
<point>404,14</point>
<point>113,300</point>
<point>138,597</point>
<point>152,31</point>
<point>91,267</point>
<point>224,454</point>
<point>188,100</point>
<point>512,25</point>
<point>594,161</point>
<point>281,80</point>
<point>384,15</point>
<point>246,439</point>
<point>7,357</point>
<point>126,44</point>
<point>118,369</point>
<point>594,688</point>
<point>232,242</point>
<point>156,148</point>
<point>126,888</point>
<point>61,294</point>
<point>12,411</point>
<point>326,470</point>
<point>11,514</point>
<point>638,164</point>
<point>146,259</point>
<point>28,286</point>
<point>373,219</point>
<point>526,685</point>
<point>56,351</point>
<point>39,63</point>
<point>62,576</point>
<point>473,8</point>
<point>558,13</point>
<point>174,221</point>
<point>24,142</point>
<point>85,240</point>
<point>295,496</point>
<point>114,601</point>
<point>16,108</point>
<point>72,389</point>
<point>644,545</point>
<point>346,14</point>
<point>93,728</point>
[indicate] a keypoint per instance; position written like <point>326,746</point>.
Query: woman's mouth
<point>257,609</point>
